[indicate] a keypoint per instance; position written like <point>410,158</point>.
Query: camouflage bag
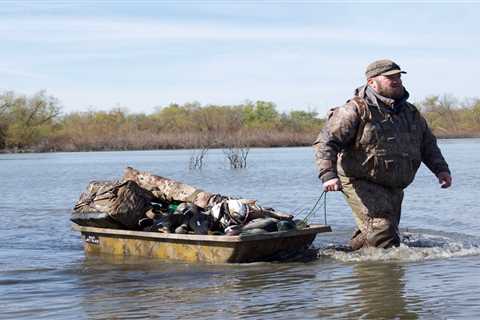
<point>123,204</point>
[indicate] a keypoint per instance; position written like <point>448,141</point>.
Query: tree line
<point>36,123</point>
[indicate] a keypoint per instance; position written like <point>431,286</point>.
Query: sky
<point>301,55</point>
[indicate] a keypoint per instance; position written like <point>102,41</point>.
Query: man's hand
<point>444,179</point>
<point>332,185</point>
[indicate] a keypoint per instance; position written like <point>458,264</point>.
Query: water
<point>44,273</point>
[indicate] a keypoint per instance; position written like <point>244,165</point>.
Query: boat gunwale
<point>311,229</point>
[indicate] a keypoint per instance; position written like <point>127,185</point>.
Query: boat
<point>213,249</point>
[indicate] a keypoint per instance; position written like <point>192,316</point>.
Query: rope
<point>312,211</point>
<point>325,208</point>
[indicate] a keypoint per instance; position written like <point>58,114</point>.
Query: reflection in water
<point>370,291</point>
<point>267,289</point>
<point>136,288</point>
<point>125,287</point>
<point>381,292</point>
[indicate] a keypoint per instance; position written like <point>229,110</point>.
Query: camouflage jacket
<point>378,139</point>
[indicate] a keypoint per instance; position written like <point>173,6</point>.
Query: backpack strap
<point>364,114</point>
<point>362,107</point>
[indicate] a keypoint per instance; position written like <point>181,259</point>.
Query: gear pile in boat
<point>143,201</point>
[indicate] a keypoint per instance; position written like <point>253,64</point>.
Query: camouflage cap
<point>382,67</point>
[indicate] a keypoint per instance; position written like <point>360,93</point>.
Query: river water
<point>44,273</point>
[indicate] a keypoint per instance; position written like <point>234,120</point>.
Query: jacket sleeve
<point>339,131</point>
<point>431,155</point>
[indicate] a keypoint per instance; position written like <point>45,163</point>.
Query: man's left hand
<point>444,179</point>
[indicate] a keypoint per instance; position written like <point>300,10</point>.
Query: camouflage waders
<point>376,210</point>
<point>375,145</point>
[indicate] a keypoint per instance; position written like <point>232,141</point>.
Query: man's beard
<point>391,92</point>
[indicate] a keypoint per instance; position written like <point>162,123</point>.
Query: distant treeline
<point>36,123</point>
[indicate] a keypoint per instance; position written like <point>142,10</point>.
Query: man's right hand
<point>332,185</point>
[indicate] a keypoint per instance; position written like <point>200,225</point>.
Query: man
<point>371,149</point>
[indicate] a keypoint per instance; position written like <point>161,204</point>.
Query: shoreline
<point>293,145</point>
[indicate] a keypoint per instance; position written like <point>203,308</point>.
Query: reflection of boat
<point>198,248</point>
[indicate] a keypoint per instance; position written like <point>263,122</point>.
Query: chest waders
<point>374,171</point>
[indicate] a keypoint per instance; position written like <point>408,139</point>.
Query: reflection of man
<point>381,293</point>
<point>371,148</point>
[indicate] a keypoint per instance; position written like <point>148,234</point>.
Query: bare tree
<point>237,156</point>
<point>197,158</point>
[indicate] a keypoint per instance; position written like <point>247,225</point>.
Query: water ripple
<point>414,247</point>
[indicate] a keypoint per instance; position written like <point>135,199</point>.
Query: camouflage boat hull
<point>198,248</point>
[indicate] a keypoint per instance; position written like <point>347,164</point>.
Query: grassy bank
<point>37,124</point>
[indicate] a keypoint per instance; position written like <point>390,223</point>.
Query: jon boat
<point>198,248</point>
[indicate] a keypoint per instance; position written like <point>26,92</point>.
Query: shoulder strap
<point>362,108</point>
<point>365,116</point>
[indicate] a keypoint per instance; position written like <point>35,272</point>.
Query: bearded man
<point>371,149</point>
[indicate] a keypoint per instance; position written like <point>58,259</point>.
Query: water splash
<point>414,247</point>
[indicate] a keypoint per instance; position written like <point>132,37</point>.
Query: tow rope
<point>312,211</point>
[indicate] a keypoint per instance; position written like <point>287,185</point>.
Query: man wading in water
<point>371,149</point>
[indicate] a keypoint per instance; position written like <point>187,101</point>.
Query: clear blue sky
<point>306,55</point>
